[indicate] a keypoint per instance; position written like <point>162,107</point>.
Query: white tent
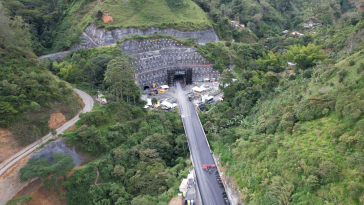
<point>198,89</point>
<point>149,102</point>
<point>168,104</point>
<point>165,87</point>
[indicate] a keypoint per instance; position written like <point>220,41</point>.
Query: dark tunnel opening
<point>179,78</point>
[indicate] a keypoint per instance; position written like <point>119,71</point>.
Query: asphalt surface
<point>211,192</point>
<point>89,104</point>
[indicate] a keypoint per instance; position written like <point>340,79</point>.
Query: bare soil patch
<point>42,195</point>
<point>14,169</point>
<point>56,120</point>
<point>176,201</point>
<point>71,172</point>
<point>73,127</point>
<point>8,146</point>
<point>107,19</point>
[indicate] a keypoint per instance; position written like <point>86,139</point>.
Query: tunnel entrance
<point>146,87</point>
<point>177,75</point>
<point>179,78</point>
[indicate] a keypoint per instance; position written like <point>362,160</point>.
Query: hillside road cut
<point>89,104</point>
<point>211,192</point>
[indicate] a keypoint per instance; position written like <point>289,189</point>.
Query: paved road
<point>211,192</point>
<point>89,104</point>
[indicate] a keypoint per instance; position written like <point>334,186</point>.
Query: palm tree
<point>244,123</point>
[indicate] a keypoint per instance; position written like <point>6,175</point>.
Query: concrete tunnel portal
<point>158,61</point>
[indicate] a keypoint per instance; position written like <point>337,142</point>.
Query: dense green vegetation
<point>141,156</point>
<point>87,69</point>
<point>48,174</point>
<point>296,138</point>
<point>29,93</point>
<point>43,19</point>
<point>269,18</point>
<point>296,133</point>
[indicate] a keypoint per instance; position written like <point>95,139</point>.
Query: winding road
<point>89,104</point>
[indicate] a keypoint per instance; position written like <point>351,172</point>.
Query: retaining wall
<point>155,57</point>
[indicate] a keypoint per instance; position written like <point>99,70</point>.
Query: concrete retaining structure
<point>95,37</point>
<point>156,56</point>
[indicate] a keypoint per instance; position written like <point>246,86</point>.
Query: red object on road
<point>211,165</point>
<point>204,166</point>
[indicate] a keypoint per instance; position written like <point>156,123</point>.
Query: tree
<point>40,167</point>
<point>53,132</point>
<point>226,78</point>
<point>7,114</point>
<point>154,101</point>
<point>36,167</point>
<point>181,140</point>
<point>99,65</point>
<point>271,59</point>
<point>305,57</point>
<point>120,76</point>
<point>269,81</point>
<point>90,74</point>
<point>22,200</point>
<point>280,190</point>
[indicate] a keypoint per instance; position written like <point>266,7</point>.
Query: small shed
<point>183,186</point>
<point>234,23</point>
<point>101,98</point>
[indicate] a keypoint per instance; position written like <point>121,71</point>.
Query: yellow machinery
<point>153,85</point>
<point>161,91</point>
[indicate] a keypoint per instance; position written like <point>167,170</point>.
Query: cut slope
<point>149,13</point>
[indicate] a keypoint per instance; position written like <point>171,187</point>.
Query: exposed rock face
<point>156,56</point>
<point>57,147</point>
<point>95,37</point>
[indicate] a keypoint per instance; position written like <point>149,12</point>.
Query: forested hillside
<point>56,25</point>
<point>142,156</point>
<point>29,93</point>
<point>290,129</point>
<point>295,130</point>
<point>297,139</point>
<point>266,19</point>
